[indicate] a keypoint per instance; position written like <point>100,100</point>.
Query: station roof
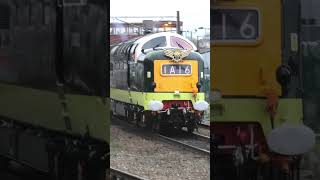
<point>166,23</point>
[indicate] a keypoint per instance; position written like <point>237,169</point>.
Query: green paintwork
<point>31,106</point>
<point>254,110</point>
<point>43,109</point>
<point>92,112</point>
<point>143,98</point>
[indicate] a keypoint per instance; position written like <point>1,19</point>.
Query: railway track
<point>16,171</point>
<point>116,174</point>
<point>204,126</point>
<point>195,142</point>
<point>203,129</point>
<point>201,136</point>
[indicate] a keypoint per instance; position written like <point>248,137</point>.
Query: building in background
<point>122,30</point>
<point>144,27</point>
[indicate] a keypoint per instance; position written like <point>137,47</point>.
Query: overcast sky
<point>193,13</point>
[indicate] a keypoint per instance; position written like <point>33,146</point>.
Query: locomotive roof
<point>145,39</point>
<point>164,40</point>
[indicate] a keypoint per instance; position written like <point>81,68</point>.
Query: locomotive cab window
<point>179,43</point>
<point>235,24</point>
<point>156,42</point>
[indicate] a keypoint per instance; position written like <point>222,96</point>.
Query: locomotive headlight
<point>290,139</point>
<point>215,95</point>
<point>201,105</point>
<point>155,105</point>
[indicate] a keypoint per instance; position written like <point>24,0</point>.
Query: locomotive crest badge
<point>177,54</point>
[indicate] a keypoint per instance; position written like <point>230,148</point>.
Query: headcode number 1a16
<point>238,24</point>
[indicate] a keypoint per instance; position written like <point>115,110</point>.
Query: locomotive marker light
<point>291,139</point>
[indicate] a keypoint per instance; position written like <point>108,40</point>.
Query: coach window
<point>156,42</point>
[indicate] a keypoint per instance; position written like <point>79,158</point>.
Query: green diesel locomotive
<point>157,81</point>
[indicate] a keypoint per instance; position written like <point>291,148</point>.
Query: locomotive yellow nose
<point>170,76</point>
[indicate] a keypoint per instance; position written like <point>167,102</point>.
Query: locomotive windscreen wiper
<point>180,45</point>
<point>156,46</point>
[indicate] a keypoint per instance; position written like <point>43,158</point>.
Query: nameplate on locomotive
<point>176,54</point>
